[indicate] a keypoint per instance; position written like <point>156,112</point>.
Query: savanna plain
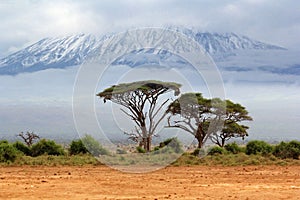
<point>173,182</point>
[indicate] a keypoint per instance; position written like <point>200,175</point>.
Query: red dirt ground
<point>197,182</point>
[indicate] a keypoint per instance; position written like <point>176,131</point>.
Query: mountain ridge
<point>66,51</point>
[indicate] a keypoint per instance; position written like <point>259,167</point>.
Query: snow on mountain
<point>222,43</point>
<point>50,53</point>
<point>62,52</point>
<point>216,43</point>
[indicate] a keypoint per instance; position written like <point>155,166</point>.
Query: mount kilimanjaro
<point>63,52</point>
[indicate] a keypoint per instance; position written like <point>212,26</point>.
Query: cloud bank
<point>25,22</point>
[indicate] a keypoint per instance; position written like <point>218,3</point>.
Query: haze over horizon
<point>42,101</point>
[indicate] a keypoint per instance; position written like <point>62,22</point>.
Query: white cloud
<point>27,21</point>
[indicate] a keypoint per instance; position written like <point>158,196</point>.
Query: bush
<point>287,150</point>
<point>121,151</point>
<point>77,147</point>
<point>258,147</point>
<point>48,147</point>
<point>233,148</point>
<point>216,150</point>
<point>175,145</point>
<point>140,149</point>
<point>3,142</point>
<point>172,144</point>
<point>93,146</point>
<point>165,143</point>
<point>7,152</point>
<point>22,148</point>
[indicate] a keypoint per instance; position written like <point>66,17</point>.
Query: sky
<point>42,101</point>
<point>26,21</point>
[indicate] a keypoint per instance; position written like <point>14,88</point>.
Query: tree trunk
<point>200,136</point>
<point>223,142</point>
<point>200,143</point>
<point>145,136</point>
<point>148,144</point>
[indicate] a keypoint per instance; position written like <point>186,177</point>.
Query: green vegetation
<point>205,119</point>
<point>77,147</point>
<point>258,147</point>
<point>287,150</point>
<point>171,144</point>
<point>140,149</point>
<point>233,148</point>
<point>93,146</point>
<point>47,152</point>
<point>48,147</point>
<point>22,148</point>
<point>7,152</point>
<point>216,150</point>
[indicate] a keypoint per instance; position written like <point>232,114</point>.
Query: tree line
<point>10,152</point>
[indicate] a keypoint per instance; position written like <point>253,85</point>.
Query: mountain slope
<point>72,50</point>
<point>50,53</point>
<point>222,43</point>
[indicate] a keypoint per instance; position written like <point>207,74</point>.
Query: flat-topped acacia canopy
<point>148,87</point>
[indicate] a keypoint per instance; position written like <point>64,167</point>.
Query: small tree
<point>28,137</point>
<point>191,112</point>
<point>140,100</point>
<point>235,113</point>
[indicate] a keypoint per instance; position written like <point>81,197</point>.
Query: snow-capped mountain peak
<point>62,52</point>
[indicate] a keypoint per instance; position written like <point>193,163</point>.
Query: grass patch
<point>51,160</point>
<point>186,159</point>
<point>240,159</point>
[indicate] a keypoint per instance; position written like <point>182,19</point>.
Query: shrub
<point>140,149</point>
<point>199,152</point>
<point>165,143</point>
<point>216,150</point>
<point>287,150</point>
<point>7,152</point>
<point>175,145</point>
<point>93,146</point>
<point>294,147</point>
<point>156,148</point>
<point>77,147</point>
<point>258,147</point>
<point>48,147</point>
<point>22,148</point>
<point>233,148</point>
<point>121,151</point>
<point>172,144</point>
<point>3,142</point>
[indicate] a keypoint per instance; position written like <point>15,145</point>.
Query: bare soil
<point>197,182</point>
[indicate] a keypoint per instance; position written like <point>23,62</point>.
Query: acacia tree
<point>140,100</point>
<point>213,119</point>
<point>28,137</point>
<point>234,115</point>
<point>191,112</point>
